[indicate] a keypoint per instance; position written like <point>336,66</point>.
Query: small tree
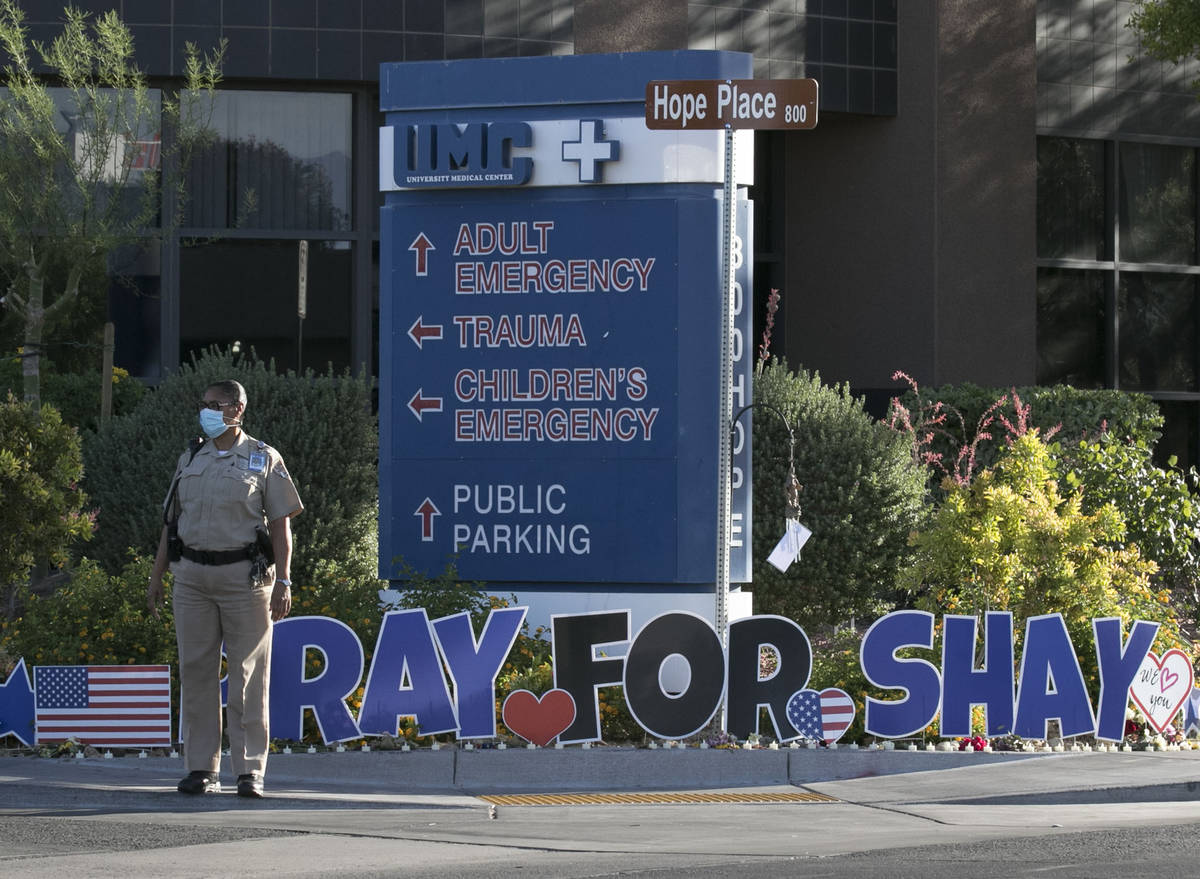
<point>77,175</point>
<point>1169,30</point>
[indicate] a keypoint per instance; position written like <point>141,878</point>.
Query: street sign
<point>739,103</point>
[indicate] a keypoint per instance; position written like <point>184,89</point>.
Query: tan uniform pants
<point>215,603</point>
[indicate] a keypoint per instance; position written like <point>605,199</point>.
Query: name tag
<point>258,462</point>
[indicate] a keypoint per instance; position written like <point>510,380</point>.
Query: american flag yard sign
<point>116,706</point>
<point>821,716</point>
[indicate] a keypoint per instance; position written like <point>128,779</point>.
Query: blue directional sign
<point>550,333</point>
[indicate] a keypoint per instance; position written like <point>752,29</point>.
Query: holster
<point>174,544</point>
<point>263,540</point>
<point>262,556</point>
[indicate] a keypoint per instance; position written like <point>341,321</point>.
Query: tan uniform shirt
<point>224,496</point>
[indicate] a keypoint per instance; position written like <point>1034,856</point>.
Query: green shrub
<point>862,496</point>
<point>97,618</point>
<point>1159,506</point>
<point>76,395</point>
<point>1011,541</point>
<point>41,504</point>
<point>321,424</point>
<point>1076,413</point>
<point>445,594</point>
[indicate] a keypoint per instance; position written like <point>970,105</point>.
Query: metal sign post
<point>725,397</point>
<point>678,105</point>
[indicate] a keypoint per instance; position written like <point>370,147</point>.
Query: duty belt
<point>214,557</point>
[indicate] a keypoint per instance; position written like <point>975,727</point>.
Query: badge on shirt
<point>258,462</point>
<point>280,470</point>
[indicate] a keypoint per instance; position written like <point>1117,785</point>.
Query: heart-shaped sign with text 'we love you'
<point>1162,686</point>
<point>538,721</point>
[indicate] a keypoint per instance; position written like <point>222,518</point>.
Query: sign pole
<point>716,104</point>
<point>301,303</point>
<point>728,230</point>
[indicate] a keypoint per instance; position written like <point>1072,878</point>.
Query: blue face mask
<point>212,422</point>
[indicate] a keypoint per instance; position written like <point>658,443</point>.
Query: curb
<point>529,770</point>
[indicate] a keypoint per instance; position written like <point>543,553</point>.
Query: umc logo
<point>481,153</point>
<point>475,154</point>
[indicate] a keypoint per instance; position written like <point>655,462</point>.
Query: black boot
<point>250,785</point>
<point>200,782</point>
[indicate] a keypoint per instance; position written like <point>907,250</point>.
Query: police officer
<point>226,487</point>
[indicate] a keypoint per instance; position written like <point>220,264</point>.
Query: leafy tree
<point>41,505</point>
<point>74,184</point>
<point>1169,29</point>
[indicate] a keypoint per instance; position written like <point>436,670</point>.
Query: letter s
<point>919,679</point>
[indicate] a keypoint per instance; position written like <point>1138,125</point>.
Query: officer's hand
<point>154,594</point>
<point>281,601</point>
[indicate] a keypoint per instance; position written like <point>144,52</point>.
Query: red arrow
<point>422,245</point>
<point>420,405</point>
<point>427,511</point>
<point>418,332</point>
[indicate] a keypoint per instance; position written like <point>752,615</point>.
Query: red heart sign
<point>539,721</point>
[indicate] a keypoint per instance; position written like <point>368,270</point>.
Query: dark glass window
<point>281,161</point>
<point>1070,328</point>
<point>1181,433</point>
<point>1158,204</point>
<point>1157,339</point>
<point>1070,199</point>
<point>243,292</point>
<point>135,306</point>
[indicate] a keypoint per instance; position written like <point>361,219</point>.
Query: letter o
<point>661,714</point>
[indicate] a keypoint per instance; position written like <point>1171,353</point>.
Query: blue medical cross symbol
<point>590,150</point>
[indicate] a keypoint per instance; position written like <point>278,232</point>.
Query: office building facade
<point>996,193</point>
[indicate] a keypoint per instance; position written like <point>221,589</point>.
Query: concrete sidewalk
<point>423,813</point>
